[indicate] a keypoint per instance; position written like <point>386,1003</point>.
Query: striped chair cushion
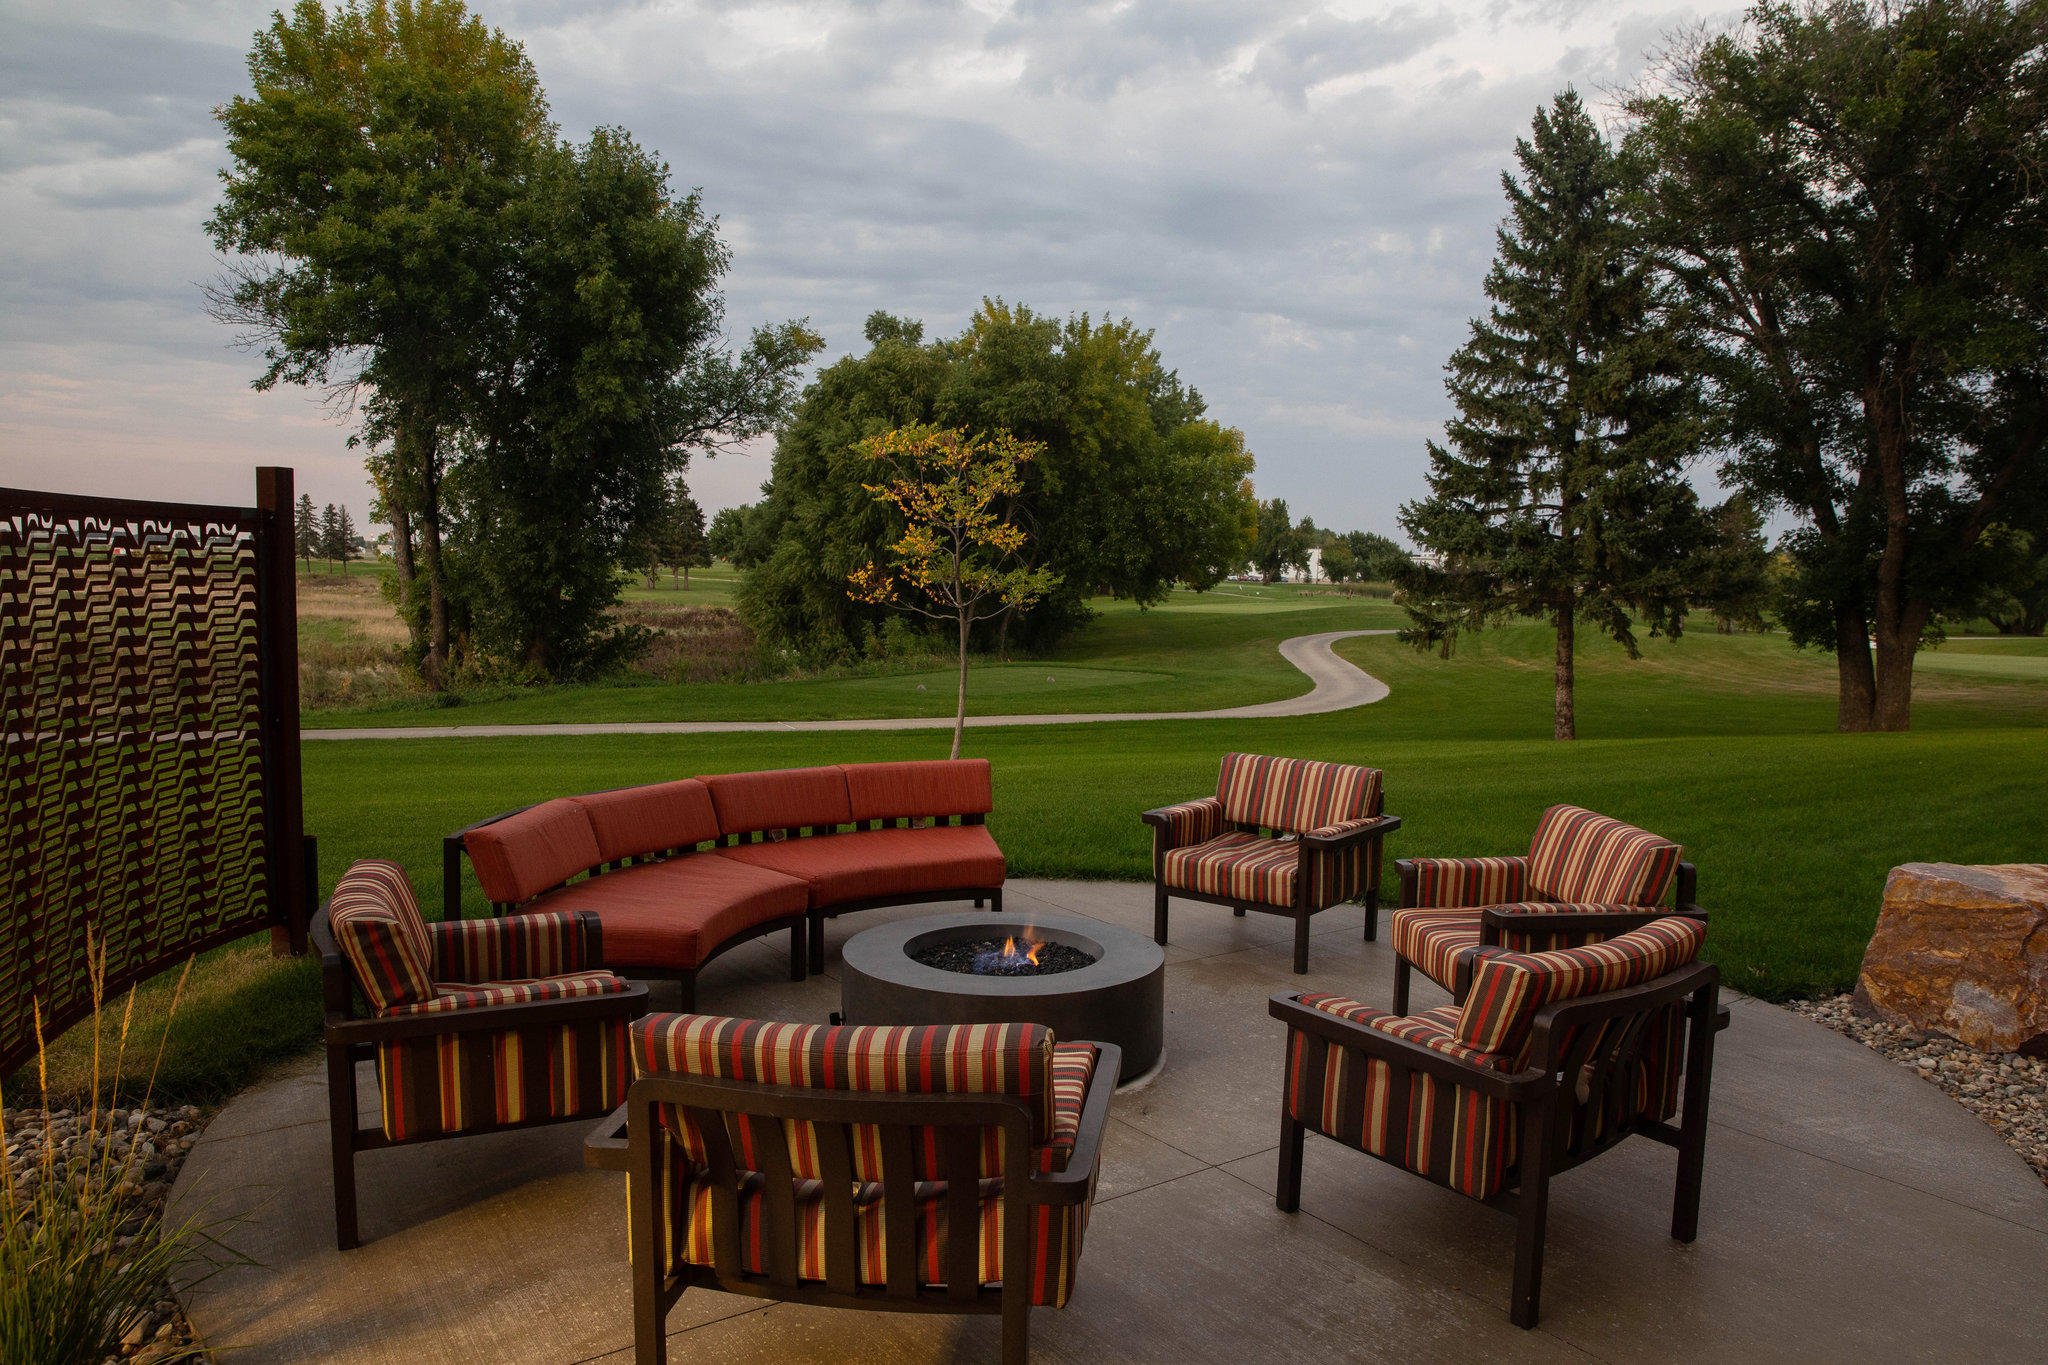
<point>515,948</point>
<point>1295,795</point>
<point>469,995</point>
<point>1509,988</point>
<point>1579,856</point>
<point>1428,1125</point>
<point>377,925</point>
<point>1055,1241</point>
<point>459,1082</point>
<point>1435,942</point>
<point>1446,883</point>
<point>1193,822</point>
<point>978,1059</point>
<point>1244,867</point>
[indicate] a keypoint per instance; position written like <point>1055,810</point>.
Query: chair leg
<point>1372,915</point>
<point>816,924</point>
<point>1016,1327</point>
<point>1159,915</point>
<point>686,992</point>
<point>1287,1191</point>
<point>995,901</point>
<point>1401,970</point>
<point>799,957</point>
<point>977,902</point>
<point>1238,911</point>
<point>1301,918</point>
<point>1532,1208</point>
<point>341,1121</point>
<point>1692,1132</point>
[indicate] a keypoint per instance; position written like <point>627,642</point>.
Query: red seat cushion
<point>675,914</point>
<point>635,821</point>
<point>523,855</point>
<point>781,799</point>
<point>890,791</point>
<point>882,862</point>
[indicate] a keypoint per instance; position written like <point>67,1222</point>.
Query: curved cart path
<point>1339,686</point>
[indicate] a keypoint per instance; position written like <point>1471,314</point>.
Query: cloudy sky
<point>1299,198</point>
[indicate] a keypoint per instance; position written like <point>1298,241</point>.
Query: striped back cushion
<point>1509,988</point>
<point>976,1059</point>
<point>377,925</point>
<point>1579,856</point>
<point>1295,795</point>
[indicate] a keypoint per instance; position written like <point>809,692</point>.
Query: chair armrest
<point>515,947</point>
<point>629,1003</point>
<point>1350,832</point>
<point>1462,883</point>
<point>1586,917</point>
<point>1555,1025</point>
<point>1190,822</point>
<point>606,1147</point>
<point>1072,1186</point>
<point>1404,1053</point>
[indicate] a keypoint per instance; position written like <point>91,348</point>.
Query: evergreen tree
<point>1733,577</point>
<point>1559,491</point>
<point>683,545</point>
<point>345,537</point>
<point>330,533</point>
<point>308,529</point>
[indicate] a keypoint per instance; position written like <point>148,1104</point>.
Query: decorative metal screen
<point>144,775</point>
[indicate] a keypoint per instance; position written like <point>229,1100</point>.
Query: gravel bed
<point>984,957</point>
<point>159,1140</point>
<point>2006,1090</point>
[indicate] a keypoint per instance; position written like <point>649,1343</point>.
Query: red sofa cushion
<point>639,820</point>
<point>523,855</point>
<point>675,914</point>
<point>888,791</point>
<point>881,862</point>
<point>781,799</point>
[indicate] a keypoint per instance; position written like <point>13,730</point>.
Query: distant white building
<point>1313,573</point>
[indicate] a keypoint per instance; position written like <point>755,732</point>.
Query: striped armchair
<point>475,1025</point>
<point>921,1169</point>
<point>1585,878</point>
<point>1282,835</point>
<point>1553,1058</point>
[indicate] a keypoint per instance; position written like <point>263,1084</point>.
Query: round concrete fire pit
<point>1120,997</point>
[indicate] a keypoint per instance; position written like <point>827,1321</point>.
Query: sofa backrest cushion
<point>1579,856</point>
<point>1295,795</point>
<point>780,799</point>
<point>959,1059</point>
<point>635,821</point>
<point>376,923</point>
<point>888,791</point>
<point>1509,988</point>
<point>523,855</point>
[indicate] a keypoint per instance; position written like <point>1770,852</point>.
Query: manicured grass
<point>2009,657</point>
<point>1723,743</point>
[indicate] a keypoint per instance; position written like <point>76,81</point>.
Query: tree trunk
<point>401,561</point>
<point>1897,620</point>
<point>1565,725</point>
<point>1856,698</point>
<point>1003,633</point>
<point>686,578</point>
<point>960,710</point>
<point>1897,643</point>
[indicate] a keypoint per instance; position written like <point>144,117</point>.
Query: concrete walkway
<point>1339,686</point>
<point>1852,1212</point>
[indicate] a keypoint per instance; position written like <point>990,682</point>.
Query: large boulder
<point>1963,951</point>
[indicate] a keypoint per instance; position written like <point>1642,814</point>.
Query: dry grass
<point>694,644</point>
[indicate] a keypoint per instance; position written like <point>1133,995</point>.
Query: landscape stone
<point>1963,952</point>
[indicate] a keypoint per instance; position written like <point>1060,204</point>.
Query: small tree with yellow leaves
<point>958,559</point>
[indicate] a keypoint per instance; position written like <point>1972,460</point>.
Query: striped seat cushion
<point>1055,1240</point>
<point>469,995</point>
<point>1295,795</point>
<point>1244,867</point>
<point>1435,941</point>
<point>1579,856</point>
<point>377,926</point>
<point>1509,988</point>
<point>1445,883</point>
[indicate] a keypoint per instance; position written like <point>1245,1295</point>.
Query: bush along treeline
<point>1132,489</point>
<point>1280,544</point>
<point>1814,258</point>
<point>531,330</point>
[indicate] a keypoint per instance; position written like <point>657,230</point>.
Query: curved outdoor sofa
<point>679,872</point>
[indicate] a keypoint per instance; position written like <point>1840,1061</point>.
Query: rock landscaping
<point>153,1143</point>
<point>2005,1089</point>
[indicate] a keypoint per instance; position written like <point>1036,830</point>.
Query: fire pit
<point>1079,977</point>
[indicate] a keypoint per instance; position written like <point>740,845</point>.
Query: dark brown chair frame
<point>350,1038</point>
<point>1546,1092</point>
<point>1300,911</point>
<point>625,1142</point>
<point>803,961</point>
<point>1492,921</point>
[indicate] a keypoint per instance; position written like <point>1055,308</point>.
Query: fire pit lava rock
<point>1118,997</point>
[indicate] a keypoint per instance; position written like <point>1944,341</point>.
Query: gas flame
<point>1014,954</point>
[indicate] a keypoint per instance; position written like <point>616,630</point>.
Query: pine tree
<point>308,537</point>
<point>345,537</point>
<point>1559,491</point>
<point>683,546</point>
<point>330,533</point>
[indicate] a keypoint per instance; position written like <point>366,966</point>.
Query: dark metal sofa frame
<point>1301,911</point>
<point>350,1038</point>
<point>1492,922</point>
<point>802,962</point>
<point>626,1142</point>
<point>1600,1059</point>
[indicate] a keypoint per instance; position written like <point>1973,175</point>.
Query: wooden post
<point>277,613</point>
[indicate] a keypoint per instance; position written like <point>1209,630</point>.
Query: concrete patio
<point>1852,1211</point>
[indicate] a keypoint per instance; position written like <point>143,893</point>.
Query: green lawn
<point>2004,657</point>
<point>1723,743</point>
